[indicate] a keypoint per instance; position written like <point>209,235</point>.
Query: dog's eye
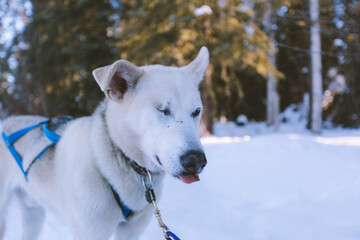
<point>196,113</point>
<point>165,111</point>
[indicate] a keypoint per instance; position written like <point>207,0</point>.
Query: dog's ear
<point>199,65</point>
<point>116,79</point>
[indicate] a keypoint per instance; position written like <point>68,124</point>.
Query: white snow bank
<point>277,186</point>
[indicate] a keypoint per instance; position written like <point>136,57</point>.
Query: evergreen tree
<point>47,68</point>
<point>171,33</point>
<point>67,39</point>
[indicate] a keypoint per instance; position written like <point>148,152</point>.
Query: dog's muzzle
<point>193,162</point>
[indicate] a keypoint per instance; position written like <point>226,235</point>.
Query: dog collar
<point>134,165</point>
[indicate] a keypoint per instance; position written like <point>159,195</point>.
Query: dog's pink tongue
<point>189,178</point>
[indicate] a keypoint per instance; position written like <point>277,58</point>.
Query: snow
<point>275,186</point>
<point>203,10</point>
<point>339,43</point>
<point>241,120</point>
<point>249,30</point>
<point>259,185</point>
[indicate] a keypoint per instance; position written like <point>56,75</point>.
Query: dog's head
<point>154,114</point>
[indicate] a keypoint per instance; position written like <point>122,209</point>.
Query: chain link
<point>151,199</point>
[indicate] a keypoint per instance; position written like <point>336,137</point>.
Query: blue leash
<point>172,236</point>
<point>12,138</point>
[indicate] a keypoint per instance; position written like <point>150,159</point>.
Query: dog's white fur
<point>73,178</point>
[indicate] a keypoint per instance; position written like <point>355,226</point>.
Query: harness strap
<point>16,135</point>
<point>126,211</point>
<point>9,140</point>
<point>12,138</point>
<point>51,135</point>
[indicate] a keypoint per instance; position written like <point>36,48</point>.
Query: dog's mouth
<point>184,177</point>
<point>189,178</point>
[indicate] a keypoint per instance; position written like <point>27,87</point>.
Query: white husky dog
<point>149,122</point>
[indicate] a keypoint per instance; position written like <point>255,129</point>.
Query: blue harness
<point>54,138</point>
<point>12,138</point>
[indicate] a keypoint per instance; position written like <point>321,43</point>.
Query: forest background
<point>48,49</point>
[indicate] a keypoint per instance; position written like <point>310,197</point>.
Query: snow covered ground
<point>259,185</point>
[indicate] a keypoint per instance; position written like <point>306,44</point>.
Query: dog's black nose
<point>193,161</point>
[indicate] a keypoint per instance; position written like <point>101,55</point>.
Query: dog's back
<point>29,148</point>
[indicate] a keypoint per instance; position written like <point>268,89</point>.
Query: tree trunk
<point>272,103</point>
<point>206,86</point>
<point>316,69</point>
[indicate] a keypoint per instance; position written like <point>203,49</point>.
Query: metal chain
<point>151,199</point>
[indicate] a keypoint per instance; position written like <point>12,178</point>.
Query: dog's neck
<point>126,139</point>
<point>114,167</point>
<point>115,149</point>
